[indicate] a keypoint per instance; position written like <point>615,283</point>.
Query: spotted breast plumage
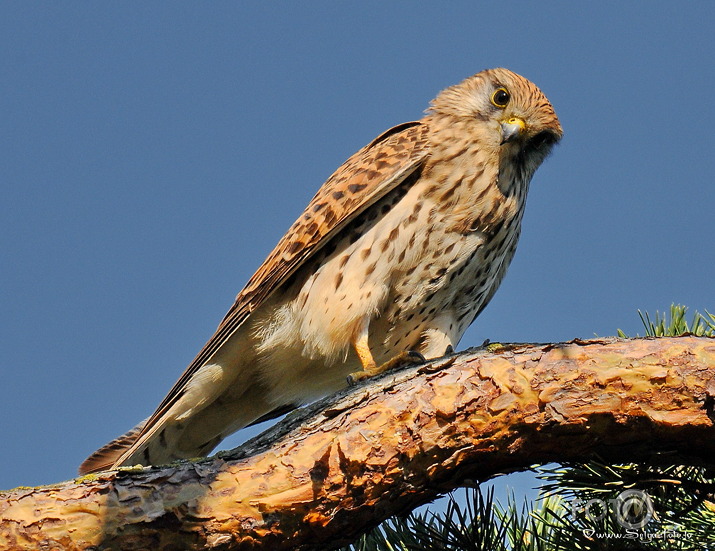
<point>391,261</point>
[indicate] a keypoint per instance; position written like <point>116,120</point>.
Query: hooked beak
<point>511,129</point>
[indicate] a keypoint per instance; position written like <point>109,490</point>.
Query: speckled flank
<point>405,243</point>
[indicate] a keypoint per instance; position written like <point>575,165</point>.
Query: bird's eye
<point>500,98</point>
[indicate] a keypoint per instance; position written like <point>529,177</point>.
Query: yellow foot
<point>403,358</point>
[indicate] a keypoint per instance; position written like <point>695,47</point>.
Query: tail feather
<point>209,410</point>
<point>106,456</point>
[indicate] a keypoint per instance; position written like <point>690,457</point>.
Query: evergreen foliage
<point>581,506</point>
<point>700,326</point>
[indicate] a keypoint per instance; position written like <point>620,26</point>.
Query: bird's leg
<point>369,367</point>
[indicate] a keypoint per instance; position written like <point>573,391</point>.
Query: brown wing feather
<point>363,179</point>
<point>105,457</point>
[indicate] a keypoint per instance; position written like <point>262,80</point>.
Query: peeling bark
<point>332,470</point>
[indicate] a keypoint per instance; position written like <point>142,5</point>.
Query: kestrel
<point>392,260</point>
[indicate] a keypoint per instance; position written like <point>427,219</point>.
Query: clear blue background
<point>153,153</point>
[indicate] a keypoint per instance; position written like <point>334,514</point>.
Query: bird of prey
<point>398,252</point>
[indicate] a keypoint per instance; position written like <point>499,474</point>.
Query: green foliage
<point>576,511</point>
<point>480,525</point>
<point>678,324</point>
<point>680,500</point>
<point>582,506</point>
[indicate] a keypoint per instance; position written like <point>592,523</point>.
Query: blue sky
<point>153,154</point>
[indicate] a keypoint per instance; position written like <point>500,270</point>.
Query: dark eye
<point>500,98</point>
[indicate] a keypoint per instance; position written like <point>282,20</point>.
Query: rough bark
<point>334,469</point>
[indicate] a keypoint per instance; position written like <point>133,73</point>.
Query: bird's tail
<point>106,456</point>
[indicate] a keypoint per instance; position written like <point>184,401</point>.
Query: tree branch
<point>332,470</point>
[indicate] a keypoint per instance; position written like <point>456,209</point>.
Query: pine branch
<point>335,469</point>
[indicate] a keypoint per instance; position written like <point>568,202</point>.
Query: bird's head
<point>504,111</point>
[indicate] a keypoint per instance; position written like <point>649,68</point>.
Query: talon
<point>369,367</point>
<point>414,357</point>
<point>355,378</point>
<point>403,358</point>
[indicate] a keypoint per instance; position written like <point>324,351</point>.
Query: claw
<point>414,357</point>
<point>403,358</point>
<point>355,378</point>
